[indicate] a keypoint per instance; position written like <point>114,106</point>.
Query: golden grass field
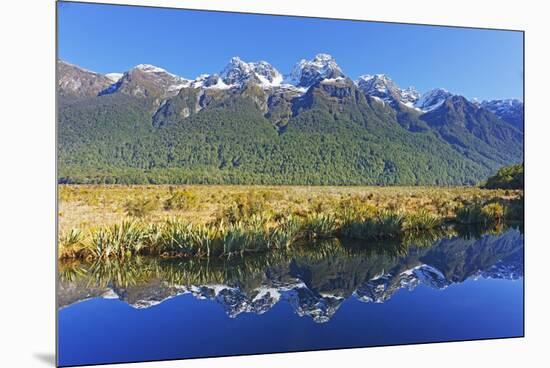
<point>86,207</point>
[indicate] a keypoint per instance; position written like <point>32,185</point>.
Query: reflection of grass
<point>375,254</point>
<point>176,238</point>
<point>186,271</point>
<point>207,221</point>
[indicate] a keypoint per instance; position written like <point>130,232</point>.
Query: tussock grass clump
<point>141,207</point>
<point>120,240</point>
<point>71,238</point>
<point>421,220</point>
<point>175,237</point>
<point>243,207</point>
<point>72,245</point>
<point>469,214</point>
<point>494,212</point>
<point>320,225</point>
<point>479,213</point>
<point>389,222</point>
<point>288,232</point>
<point>204,239</point>
<point>258,231</point>
<point>382,224</point>
<point>235,239</point>
<point>180,200</point>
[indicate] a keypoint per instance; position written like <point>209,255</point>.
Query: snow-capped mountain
<point>509,110</point>
<point>146,80</point>
<point>237,73</point>
<point>431,100</point>
<point>382,87</point>
<point>308,72</point>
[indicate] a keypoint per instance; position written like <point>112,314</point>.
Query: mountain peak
<point>431,100</point>
<point>383,87</point>
<point>322,57</point>
<point>367,77</point>
<point>146,80</point>
<point>236,59</point>
<point>308,72</point>
<point>510,110</point>
<point>78,82</point>
<point>237,72</point>
<point>148,68</point>
<point>503,103</point>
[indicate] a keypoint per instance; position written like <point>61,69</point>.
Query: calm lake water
<point>332,294</point>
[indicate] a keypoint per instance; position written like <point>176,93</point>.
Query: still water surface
<point>332,294</point>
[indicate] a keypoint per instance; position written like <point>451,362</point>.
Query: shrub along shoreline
<point>238,232</point>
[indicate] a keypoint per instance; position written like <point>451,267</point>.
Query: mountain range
<point>251,124</point>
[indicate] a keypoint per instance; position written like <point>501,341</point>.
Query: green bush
<point>510,177</point>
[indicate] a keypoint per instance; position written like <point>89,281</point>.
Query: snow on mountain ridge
<point>321,68</point>
<point>148,68</point>
<point>307,72</point>
<point>502,105</point>
<point>385,89</point>
<point>115,77</point>
<point>237,72</point>
<point>431,100</point>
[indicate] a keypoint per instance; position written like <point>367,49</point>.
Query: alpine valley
<point>250,124</point>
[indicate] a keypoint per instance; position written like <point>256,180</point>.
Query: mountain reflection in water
<point>314,279</point>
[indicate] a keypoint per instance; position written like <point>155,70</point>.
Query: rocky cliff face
<point>75,82</point>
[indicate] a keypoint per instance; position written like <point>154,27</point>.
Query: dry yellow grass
<point>87,207</point>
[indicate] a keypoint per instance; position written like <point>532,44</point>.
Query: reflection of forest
<point>314,280</point>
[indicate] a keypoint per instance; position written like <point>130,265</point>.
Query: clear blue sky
<point>484,64</point>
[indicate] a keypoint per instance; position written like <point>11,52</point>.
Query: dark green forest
<point>332,135</point>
